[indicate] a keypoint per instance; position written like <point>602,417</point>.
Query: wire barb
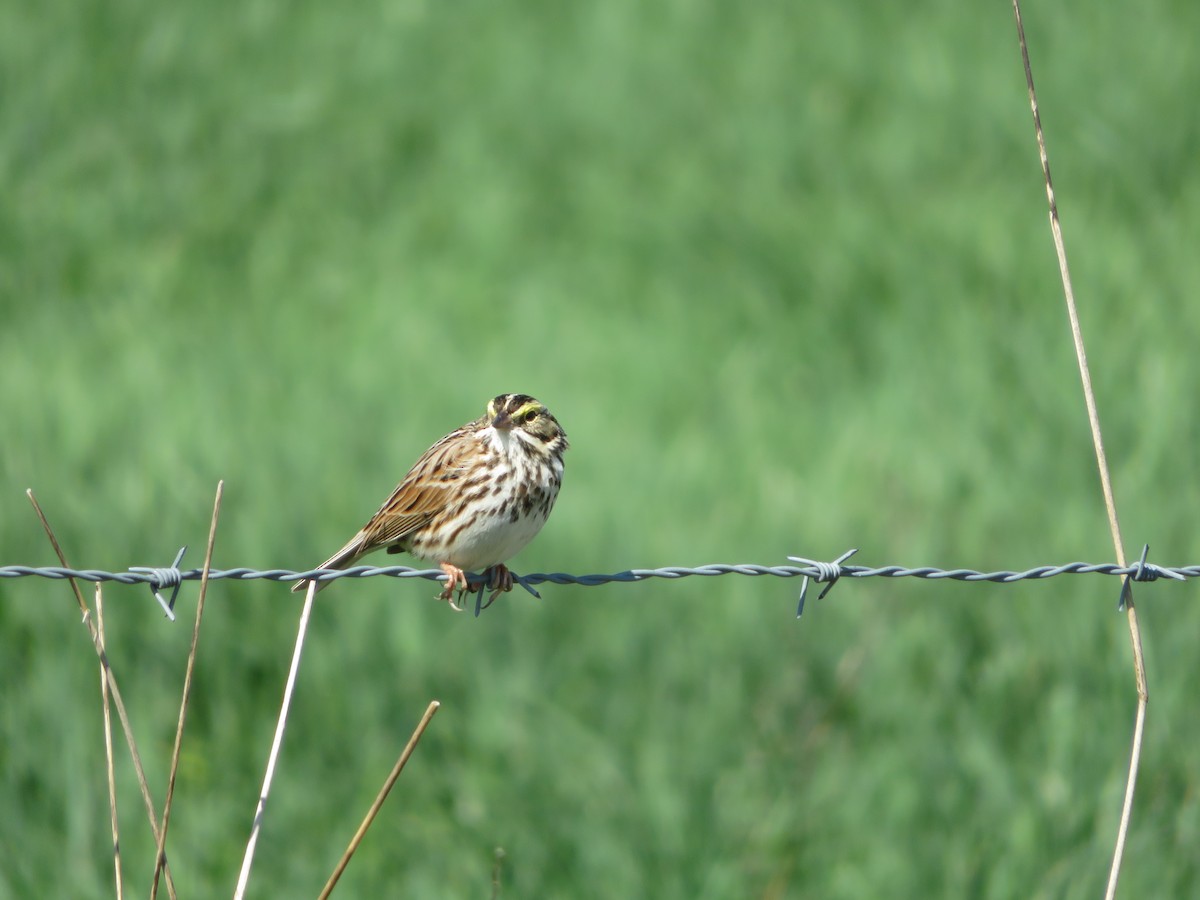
<point>164,578</point>
<point>1143,571</point>
<point>480,606</point>
<point>828,572</point>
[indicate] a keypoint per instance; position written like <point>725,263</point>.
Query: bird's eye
<point>529,417</point>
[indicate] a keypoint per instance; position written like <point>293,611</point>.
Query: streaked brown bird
<point>473,500</point>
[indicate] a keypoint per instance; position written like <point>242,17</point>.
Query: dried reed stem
<point>379,799</point>
<point>160,857</point>
<point>108,750</point>
<point>111,678</point>
<point>1139,665</point>
<point>276,743</point>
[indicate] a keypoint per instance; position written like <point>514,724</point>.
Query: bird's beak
<point>503,421</point>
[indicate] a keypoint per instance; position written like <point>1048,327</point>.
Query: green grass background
<point>783,273</point>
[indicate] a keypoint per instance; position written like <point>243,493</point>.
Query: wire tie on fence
<point>1144,571</point>
<point>164,578</point>
<point>1148,571</point>
<point>828,572</point>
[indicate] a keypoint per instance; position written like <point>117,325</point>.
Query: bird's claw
<point>456,579</point>
<point>500,581</point>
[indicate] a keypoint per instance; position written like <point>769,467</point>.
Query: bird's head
<point>525,418</point>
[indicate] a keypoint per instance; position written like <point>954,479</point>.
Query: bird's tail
<point>343,559</point>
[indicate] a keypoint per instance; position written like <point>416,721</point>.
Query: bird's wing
<point>423,492</point>
<point>415,501</point>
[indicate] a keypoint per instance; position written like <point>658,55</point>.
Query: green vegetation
<point>783,273</point>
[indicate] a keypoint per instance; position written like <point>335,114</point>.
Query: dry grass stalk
<point>111,679</point>
<point>160,857</point>
<point>1139,665</point>
<point>433,707</point>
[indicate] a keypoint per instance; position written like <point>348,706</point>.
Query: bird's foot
<point>457,579</point>
<point>500,582</point>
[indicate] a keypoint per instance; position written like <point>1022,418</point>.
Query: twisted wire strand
<point>160,578</point>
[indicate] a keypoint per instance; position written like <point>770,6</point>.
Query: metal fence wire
<point>827,573</point>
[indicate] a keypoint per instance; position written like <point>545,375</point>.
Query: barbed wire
<point>827,573</point>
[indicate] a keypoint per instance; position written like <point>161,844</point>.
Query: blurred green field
<point>783,273</point>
